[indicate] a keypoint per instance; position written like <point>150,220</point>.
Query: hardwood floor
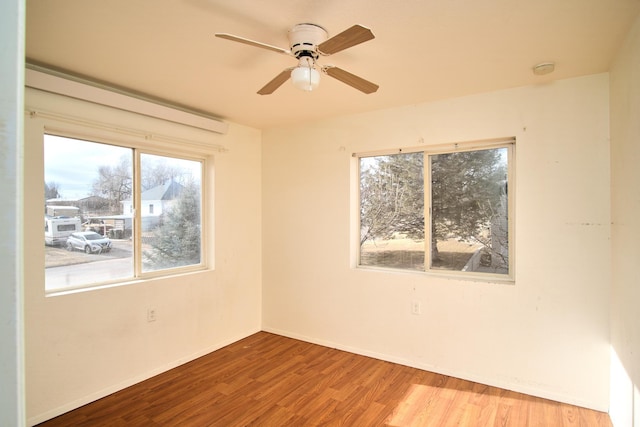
<point>270,380</point>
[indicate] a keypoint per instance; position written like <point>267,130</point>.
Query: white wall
<point>625,300</point>
<point>12,28</point>
<point>85,345</point>
<point>547,335</point>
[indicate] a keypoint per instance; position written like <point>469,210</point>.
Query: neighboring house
<point>154,202</point>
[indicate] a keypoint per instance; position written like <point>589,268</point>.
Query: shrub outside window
<point>441,211</point>
<point>146,206</point>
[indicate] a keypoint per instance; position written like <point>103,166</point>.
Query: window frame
<point>138,148</point>
<point>137,230</point>
<point>508,143</point>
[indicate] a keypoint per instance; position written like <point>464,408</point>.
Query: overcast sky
<point>73,164</point>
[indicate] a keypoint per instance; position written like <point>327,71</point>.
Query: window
<point>66,227</point>
<point>438,211</point>
<point>117,213</point>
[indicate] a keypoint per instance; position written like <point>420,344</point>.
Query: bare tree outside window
<point>114,183</point>
<point>467,211</point>
<point>51,190</point>
<point>392,211</point>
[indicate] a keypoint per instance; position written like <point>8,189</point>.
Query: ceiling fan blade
<point>274,84</point>
<point>252,43</point>
<point>351,79</point>
<point>348,38</point>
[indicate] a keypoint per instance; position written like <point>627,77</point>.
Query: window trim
<point>506,142</point>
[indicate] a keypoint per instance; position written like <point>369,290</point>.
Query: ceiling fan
<point>307,42</point>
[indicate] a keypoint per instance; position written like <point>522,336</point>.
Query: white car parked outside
<point>89,242</point>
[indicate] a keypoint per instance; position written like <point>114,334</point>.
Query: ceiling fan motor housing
<point>305,38</point>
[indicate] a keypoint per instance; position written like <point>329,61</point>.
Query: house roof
<point>423,50</point>
<point>167,191</point>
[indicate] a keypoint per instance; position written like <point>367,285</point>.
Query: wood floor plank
<point>270,380</point>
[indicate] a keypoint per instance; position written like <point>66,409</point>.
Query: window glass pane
<point>170,206</point>
<point>86,233</point>
<point>392,211</point>
<point>469,227</point>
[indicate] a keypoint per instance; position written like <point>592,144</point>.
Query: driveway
<point>67,270</point>
<point>56,256</point>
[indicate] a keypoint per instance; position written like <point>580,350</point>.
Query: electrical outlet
<point>416,307</point>
<point>151,315</point>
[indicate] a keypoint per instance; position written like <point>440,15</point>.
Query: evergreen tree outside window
<point>437,212</point>
<point>173,240</point>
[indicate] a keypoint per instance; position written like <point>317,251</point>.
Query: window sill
<point>448,275</point>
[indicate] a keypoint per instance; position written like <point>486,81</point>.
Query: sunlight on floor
<point>624,395</point>
<point>425,405</point>
<point>414,408</point>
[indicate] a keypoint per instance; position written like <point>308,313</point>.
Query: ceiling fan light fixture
<point>305,76</point>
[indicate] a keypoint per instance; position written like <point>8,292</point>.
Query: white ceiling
<point>424,49</point>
